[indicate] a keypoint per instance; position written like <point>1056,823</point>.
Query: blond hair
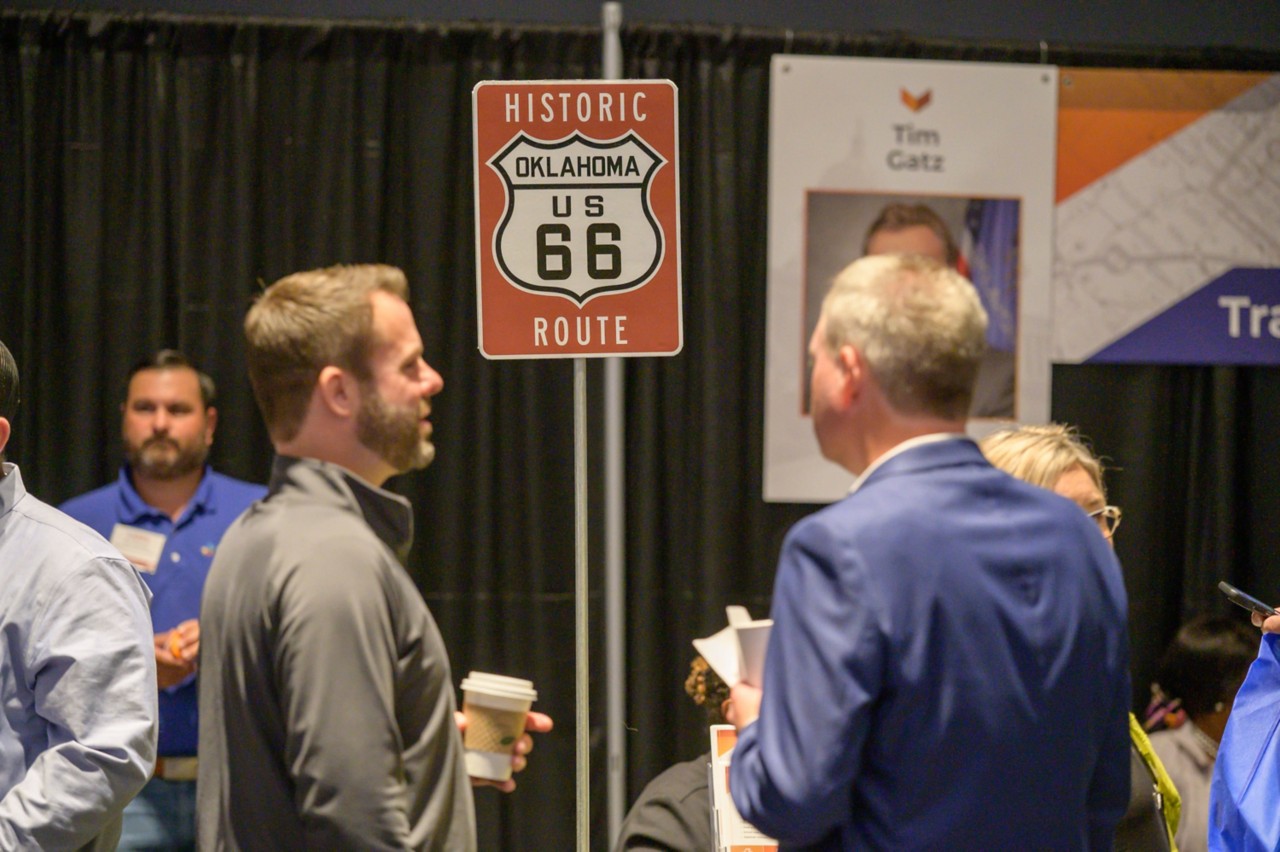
<point>919,325</point>
<point>1041,454</point>
<point>305,322</point>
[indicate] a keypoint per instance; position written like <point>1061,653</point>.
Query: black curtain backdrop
<point>155,170</point>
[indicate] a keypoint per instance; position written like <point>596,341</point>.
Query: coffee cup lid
<point>485,677</point>
<point>505,687</point>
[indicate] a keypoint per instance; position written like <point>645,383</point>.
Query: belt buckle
<point>177,768</point>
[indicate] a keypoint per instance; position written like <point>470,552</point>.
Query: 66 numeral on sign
<point>555,259</point>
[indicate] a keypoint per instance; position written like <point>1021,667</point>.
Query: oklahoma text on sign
<point>577,218</point>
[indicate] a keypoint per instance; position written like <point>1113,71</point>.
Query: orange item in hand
<point>175,645</point>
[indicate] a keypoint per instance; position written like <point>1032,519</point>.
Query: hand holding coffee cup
<point>496,708</point>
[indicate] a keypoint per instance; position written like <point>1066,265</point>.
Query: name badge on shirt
<point>139,546</point>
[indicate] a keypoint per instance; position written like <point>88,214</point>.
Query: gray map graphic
<point>1166,223</point>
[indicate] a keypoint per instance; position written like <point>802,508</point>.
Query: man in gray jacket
<point>326,700</point>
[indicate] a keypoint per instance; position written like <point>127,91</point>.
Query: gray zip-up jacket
<point>326,700</point>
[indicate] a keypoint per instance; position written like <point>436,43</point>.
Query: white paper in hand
<point>720,650</point>
<point>753,641</point>
<point>737,652</point>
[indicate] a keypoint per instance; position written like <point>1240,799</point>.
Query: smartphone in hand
<point>1245,600</point>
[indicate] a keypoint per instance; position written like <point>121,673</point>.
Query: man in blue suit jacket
<point>948,667</point>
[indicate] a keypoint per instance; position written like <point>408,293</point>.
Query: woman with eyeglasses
<point>1053,456</point>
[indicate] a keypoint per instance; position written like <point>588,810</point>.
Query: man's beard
<point>165,458</point>
<point>393,433</point>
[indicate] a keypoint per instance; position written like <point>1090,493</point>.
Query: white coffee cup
<point>496,707</point>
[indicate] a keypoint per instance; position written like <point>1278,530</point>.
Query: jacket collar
<point>389,515</point>
<point>921,453</point>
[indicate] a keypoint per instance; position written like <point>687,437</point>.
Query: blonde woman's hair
<point>1041,454</point>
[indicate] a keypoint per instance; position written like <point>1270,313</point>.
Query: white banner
<point>972,143</point>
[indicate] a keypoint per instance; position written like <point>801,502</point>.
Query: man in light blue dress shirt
<point>77,673</point>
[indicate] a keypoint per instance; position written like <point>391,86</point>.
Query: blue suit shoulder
<point>935,490</point>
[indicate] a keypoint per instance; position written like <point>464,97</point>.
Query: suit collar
<point>941,449</point>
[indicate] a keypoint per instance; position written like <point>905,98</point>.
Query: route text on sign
<point>612,331</point>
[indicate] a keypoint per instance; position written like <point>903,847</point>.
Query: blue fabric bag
<point>1244,799</point>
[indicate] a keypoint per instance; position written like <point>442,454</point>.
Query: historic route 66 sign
<point>577,219</point>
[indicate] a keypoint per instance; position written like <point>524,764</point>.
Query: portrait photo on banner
<point>951,160</point>
<point>979,237</point>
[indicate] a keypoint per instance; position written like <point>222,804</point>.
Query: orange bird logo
<point>915,103</point>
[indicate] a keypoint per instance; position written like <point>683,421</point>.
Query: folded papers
<point>737,652</point>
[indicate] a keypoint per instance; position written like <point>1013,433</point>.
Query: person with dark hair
<point>167,511</point>
<point>8,393</point>
<point>77,677</point>
<point>1201,670</point>
<point>911,229</point>
<point>673,812</point>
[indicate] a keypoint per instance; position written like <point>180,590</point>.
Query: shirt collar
<point>11,488</point>
<point>135,508</point>
<point>910,443</point>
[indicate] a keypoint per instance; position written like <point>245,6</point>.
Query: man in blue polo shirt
<point>167,512</point>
